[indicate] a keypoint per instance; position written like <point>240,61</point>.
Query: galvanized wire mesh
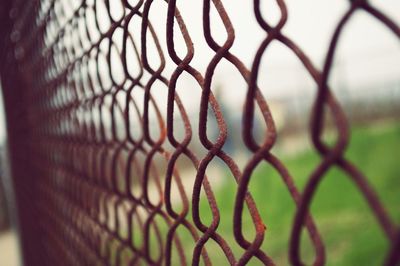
<point>95,157</point>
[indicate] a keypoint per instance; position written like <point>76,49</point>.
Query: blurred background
<point>9,247</point>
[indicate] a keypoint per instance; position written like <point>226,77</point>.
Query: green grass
<point>349,230</point>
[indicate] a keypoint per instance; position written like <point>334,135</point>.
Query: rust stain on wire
<point>80,173</point>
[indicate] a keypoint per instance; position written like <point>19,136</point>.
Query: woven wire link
<point>80,76</point>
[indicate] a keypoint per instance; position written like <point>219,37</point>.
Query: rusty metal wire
<point>87,163</point>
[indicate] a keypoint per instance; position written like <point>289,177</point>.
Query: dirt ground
<point>9,254</point>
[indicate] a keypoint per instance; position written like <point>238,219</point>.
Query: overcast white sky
<point>367,52</point>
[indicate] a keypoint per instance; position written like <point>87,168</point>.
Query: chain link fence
<point>100,163</point>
